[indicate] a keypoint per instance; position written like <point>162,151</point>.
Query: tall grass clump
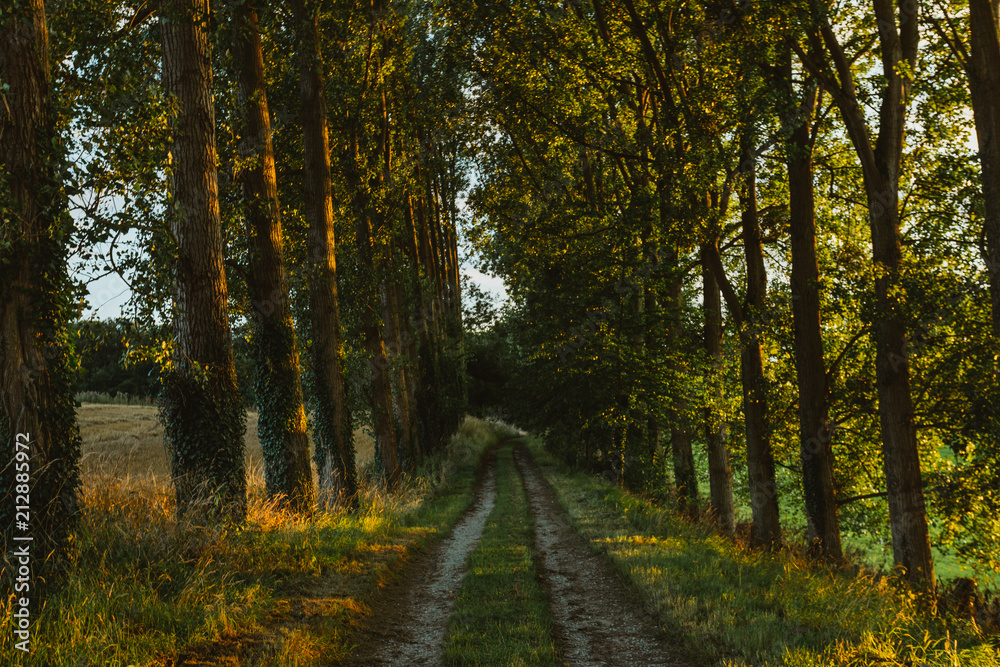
<point>731,605</point>
<point>280,589</point>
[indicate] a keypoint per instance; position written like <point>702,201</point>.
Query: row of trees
<point>691,201</point>
<point>233,165</point>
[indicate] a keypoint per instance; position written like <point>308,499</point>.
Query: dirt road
<point>596,620</point>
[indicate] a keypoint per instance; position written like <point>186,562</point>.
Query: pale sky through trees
<point>110,294</point>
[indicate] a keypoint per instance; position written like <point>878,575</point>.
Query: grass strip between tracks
<point>501,616</point>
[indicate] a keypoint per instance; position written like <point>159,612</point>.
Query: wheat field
<point>126,442</point>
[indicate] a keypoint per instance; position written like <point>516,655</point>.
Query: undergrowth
<point>144,588</point>
<point>729,605</point>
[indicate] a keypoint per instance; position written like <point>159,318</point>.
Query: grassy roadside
<point>730,606</point>
<point>501,616</point>
<point>279,590</point>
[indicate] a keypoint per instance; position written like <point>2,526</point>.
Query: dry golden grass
<point>126,442</point>
<point>282,590</point>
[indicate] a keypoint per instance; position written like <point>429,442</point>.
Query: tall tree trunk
<point>760,460</point>
<point>281,423</point>
<point>381,389</point>
<point>720,477</point>
<point>880,165</point>
<point>393,334</point>
<point>983,70</point>
<point>426,394</point>
<point>202,409</point>
<point>37,384</point>
<point>747,316</point>
<point>685,476</point>
<point>332,425</point>
<point>815,435</point>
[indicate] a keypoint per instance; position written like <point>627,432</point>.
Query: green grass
<point>501,617</point>
<point>730,606</point>
<point>283,589</point>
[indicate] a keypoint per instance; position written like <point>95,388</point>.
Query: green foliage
<point>105,363</point>
<point>608,153</point>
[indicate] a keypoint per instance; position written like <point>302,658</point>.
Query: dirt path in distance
<point>596,621</point>
<point>409,626</point>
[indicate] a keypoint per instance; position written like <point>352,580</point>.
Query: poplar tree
<point>37,361</point>
<point>201,406</point>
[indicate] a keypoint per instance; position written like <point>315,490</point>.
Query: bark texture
<point>37,414</point>
<point>760,460</point>
<point>983,69</point>
<point>815,433</point>
<point>720,476</point>
<point>282,418</point>
<point>202,409</point>
<point>332,428</point>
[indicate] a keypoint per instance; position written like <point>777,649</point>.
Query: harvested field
<point>126,441</point>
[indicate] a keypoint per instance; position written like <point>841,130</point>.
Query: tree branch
<point>878,494</point>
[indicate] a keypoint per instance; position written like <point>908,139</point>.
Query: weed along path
<point>597,622</point>
<point>513,584</point>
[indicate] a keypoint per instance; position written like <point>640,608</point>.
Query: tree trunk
<point>720,477</point>
<point>907,510</point>
<point>281,423</point>
<point>815,434</point>
<point>984,83</point>
<point>760,461</point>
<point>202,409</point>
<point>37,414</point>
<point>685,477</point>
<point>393,334</point>
<point>333,436</point>
<point>880,164</point>
<point>381,389</point>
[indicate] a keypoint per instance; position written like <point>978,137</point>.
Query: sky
<point>108,295</point>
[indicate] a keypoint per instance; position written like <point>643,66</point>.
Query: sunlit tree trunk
<point>815,434</point>
<point>720,477</point>
<point>36,372</point>
<point>282,418</point>
<point>760,460</point>
<point>202,408</point>
<point>984,83</point>
<point>332,428</point>
<point>880,165</point>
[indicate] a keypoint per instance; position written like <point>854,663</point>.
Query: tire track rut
<point>596,621</point>
<point>415,633</point>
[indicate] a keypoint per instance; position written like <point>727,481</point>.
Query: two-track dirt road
<point>596,620</point>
